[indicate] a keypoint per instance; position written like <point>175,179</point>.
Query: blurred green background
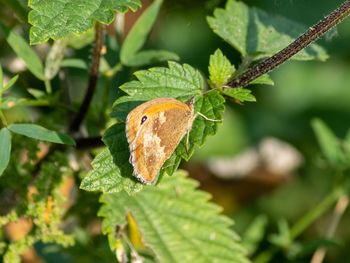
<point>302,91</point>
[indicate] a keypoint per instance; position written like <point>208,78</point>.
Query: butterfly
<point>154,129</point>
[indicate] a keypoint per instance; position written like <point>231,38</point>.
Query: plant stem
<point>88,143</point>
<point>339,210</point>
<point>304,222</point>
<point>312,34</point>
<point>48,86</point>
<point>96,55</point>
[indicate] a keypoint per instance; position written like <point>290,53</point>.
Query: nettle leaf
<point>57,19</point>
<point>176,222</point>
<point>220,69</point>
<point>106,176</point>
<point>5,149</point>
<point>40,133</point>
<point>239,94</point>
<point>157,83</point>
<point>253,32</point>
<point>175,81</point>
<point>211,105</point>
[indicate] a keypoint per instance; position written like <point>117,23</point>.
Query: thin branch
<point>88,143</point>
<point>96,55</point>
<point>301,42</point>
<point>339,210</point>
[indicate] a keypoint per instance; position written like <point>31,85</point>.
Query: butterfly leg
<point>206,118</point>
<point>187,146</point>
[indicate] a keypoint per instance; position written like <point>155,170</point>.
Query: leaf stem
<point>312,34</point>
<point>96,55</point>
<point>315,213</point>
<point>48,86</point>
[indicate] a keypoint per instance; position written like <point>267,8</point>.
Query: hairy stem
<point>96,55</point>
<point>301,42</point>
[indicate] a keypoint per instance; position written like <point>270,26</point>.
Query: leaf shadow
<point>115,139</point>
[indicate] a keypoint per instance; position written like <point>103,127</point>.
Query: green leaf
<point>176,222</point>
<point>74,63</point>
<point>211,106</point>
<point>253,32</point>
<point>11,102</point>
<point>147,57</point>
<point>5,149</point>
<point>106,176</point>
<point>175,81</point>
<point>24,51</point>
<point>220,69</point>
<point>36,93</point>
<point>74,16</point>
<point>9,84</point>
<point>40,133</point>
<point>239,94</point>
<point>283,237</point>
<point>171,83</point>
<point>138,33</point>
<point>329,143</point>
<point>254,234</point>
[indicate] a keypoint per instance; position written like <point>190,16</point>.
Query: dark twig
<point>88,143</point>
<point>78,118</point>
<point>301,42</point>
<point>96,55</point>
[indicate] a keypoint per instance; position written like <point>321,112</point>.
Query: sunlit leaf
<point>176,222</point>
<point>220,69</point>
<point>57,19</point>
